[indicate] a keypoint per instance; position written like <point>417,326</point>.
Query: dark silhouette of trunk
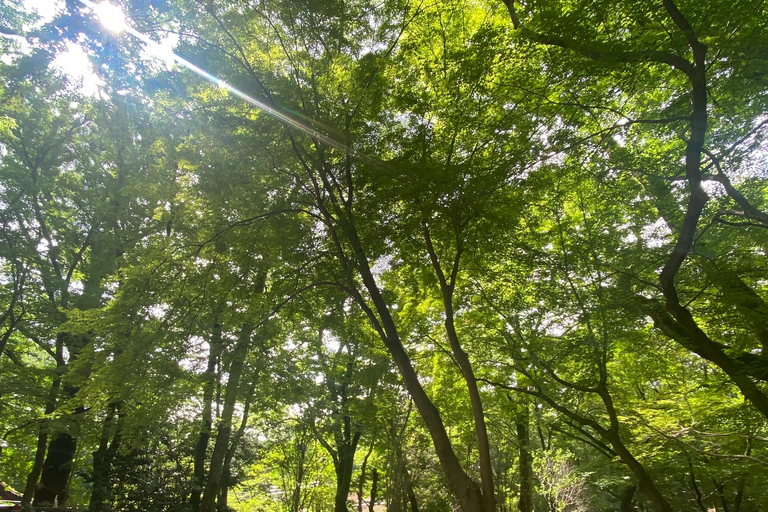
<point>739,495</point>
<point>224,429</point>
<point>206,423</point>
<point>103,458</point>
<point>447,286</point>
<point>42,436</point>
<point>463,487</point>
<point>363,468</point>
<point>646,484</point>
<point>345,467</point>
<point>336,211</point>
<point>60,459</point>
<point>525,503</point>
<point>54,479</point>
<point>226,475</point>
<point>374,488</point>
<point>627,504</point>
<point>412,496</point>
<point>343,460</point>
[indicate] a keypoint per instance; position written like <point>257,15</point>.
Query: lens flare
<point>111,16</point>
<point>113,19</point>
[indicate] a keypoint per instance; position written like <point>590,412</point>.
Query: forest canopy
<point>403,255</point>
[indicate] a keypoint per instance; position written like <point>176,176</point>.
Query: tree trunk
<point>226,476</point>
<point>739,495</point>
<point>103,458</point>
<point>374,488</point>
<point>447,286</point>
<point>525,503</point>
<point>208,503</point>
<point>42,436</point>
<point>412,495</point>
<point>363,466</point>
<point>463,487</point>
<point>54,481</point>
<point>215,348</point>
<point>345,466</point>
<point>343,460</point>
<point>343,483</point>
<point>59,462</point>
<point>645,482</point>
<point>296,500</point>
<point>626,504</point>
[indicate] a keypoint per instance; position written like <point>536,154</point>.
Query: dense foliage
<point>460,255</point>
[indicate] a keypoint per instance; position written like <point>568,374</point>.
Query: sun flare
<point>111,16</point>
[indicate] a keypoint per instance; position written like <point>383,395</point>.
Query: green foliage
<point>512,175</point>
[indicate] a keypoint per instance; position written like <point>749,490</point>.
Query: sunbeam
<point>114,20</point>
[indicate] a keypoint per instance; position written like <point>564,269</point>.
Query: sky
<point>74,61</point>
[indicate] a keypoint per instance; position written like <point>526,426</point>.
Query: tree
<point>681,60</point>
<point>549,215</point>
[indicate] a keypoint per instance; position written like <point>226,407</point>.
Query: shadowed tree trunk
<point>461,484</point>
<point>343,461</point>
<point>525,504</point>
<point>59,461</point>
<point>201,448</point>
<point>363,467</point>
<point>374,489</point>
<point>447,286</point>
<point>226,476</point>
<point>412,495</point>
<point>42,437</point>
<point>103,458</point>
<point>626,504</point>
<point>224,428</point>
<point>54,480</point>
